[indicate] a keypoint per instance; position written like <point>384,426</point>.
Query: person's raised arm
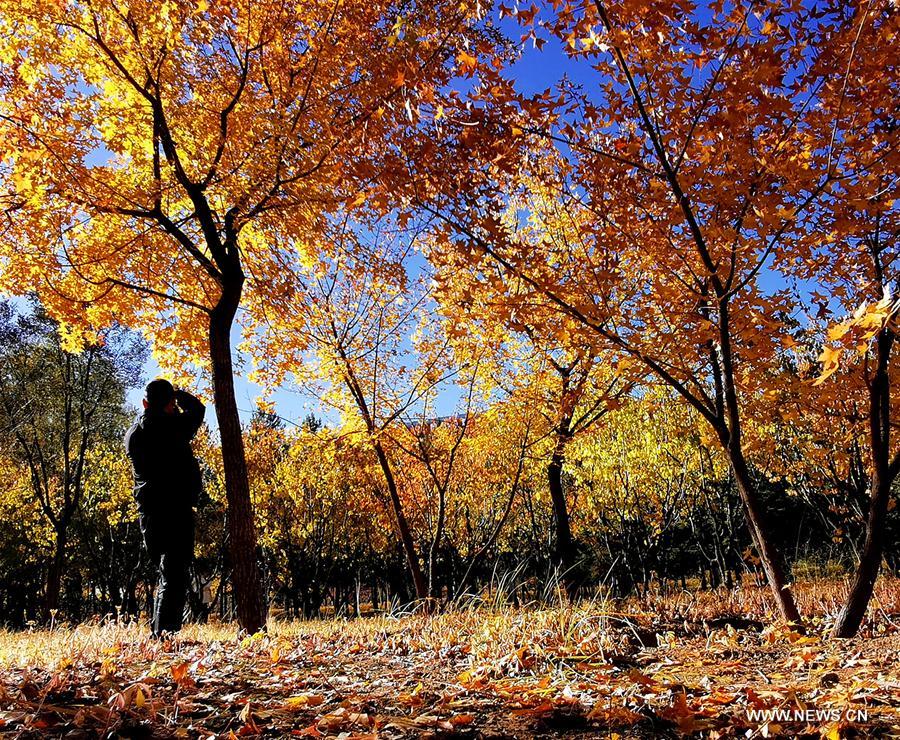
<point>192,409</point>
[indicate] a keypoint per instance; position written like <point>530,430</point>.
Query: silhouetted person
<point>167,485</point>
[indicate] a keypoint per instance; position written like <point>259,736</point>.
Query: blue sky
<point>535,71</point>
<point>290,403</point>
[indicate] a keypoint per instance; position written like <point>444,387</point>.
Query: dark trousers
<point>169,539</point>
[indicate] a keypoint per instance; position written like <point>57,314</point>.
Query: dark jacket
<point>167,476</point>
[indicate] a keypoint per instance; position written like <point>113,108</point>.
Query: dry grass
<point>657,666</point>
<point>820,600</point>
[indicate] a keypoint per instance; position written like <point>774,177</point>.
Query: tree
<point>313,508</point>
<point>641,475</point>
<point>853,264</point>
<point>869,373</point>
<point>494,472</point>
<point>54,406</point>
<point>25,536</point>
<point>432,447</point>
<point>359,343</point>
<point>106,533</point>
<point>697,164</point>
<point>570,382</point>
<point>166,163</point>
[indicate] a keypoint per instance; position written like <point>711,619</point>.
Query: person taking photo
<point>167,487</point>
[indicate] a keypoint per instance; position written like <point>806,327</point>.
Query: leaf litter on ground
<point>570,671</point>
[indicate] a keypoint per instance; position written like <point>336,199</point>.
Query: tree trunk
<point>769,555</point>
<point>409,545</point>
<point>489,543</point>
<point>854,609</point>
<point>730,437</point>
<point>248,595</point>
<point>564,549</point>
<point>884,471</point>
<point>54,574</point>
<point>436,539</point>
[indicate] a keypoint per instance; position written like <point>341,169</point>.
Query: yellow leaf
<point>838,330</point>
<point>829,359</point>
<point>303,700</point>
<point>467,62</point>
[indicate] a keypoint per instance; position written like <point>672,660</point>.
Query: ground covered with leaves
<point>665,666</point>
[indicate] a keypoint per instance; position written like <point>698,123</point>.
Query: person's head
<point>160,396</point>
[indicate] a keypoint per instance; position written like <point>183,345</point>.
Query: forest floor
<point>689,664</point>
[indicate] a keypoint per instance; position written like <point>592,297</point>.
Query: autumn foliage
<point>586,300</point>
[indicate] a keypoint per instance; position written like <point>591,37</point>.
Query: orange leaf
<point>179,672</point>
<point>462,719</point>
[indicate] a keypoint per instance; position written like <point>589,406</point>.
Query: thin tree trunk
<point>438,536</point>
<point>409,545</point>
<point>564,547</point>
<point>54,574</point>
<point>246,580</point>
<point>489,543</point>
<point>769,555</point>
<point>727,400</point>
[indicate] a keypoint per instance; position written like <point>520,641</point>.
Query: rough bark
<point>249,601</point>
